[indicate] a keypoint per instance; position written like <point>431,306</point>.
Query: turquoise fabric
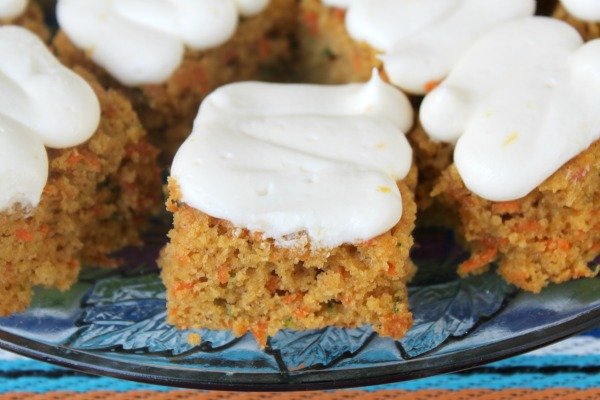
<point>574,363</point>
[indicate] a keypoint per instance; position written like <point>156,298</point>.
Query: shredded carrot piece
<point>301,312</point>
<point>429,86</point>
<point>339,13</point>
<point>478,260</point>
<point>558,243</point>
<point>183,260</point>
<point>260,333</point>
<point>24,235</point>
<point>507,207</point>
<point>74,158</point>
<point>311,20</point>
<point>527,225</point>
<point>391,269</point>
<point>223,274</point>
<point>292,298</point>
<point>183,286</point>
<point>173,311</point>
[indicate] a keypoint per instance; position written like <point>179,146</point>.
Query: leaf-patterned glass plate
<point>113,323</point>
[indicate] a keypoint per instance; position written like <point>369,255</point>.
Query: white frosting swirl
<point>41,103</point>
<point>10,9</point>
<point>585,10</point>
<point>519,104</point>
<point>143,41</point>
<point>284,159</point>
<point>421,40</point>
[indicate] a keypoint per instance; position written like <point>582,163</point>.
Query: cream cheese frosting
<point>42,103</point>
<point>421,40</point>
<point>10,9</point>
<point>521,103</point>
<point>285,160</point>
<point>586,10</point>
<point>143,41</point>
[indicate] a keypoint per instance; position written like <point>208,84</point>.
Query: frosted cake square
<point>77,176</point>
<point>521,112</point>
<point>293,208</point>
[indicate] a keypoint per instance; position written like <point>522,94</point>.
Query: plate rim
<point>91,363</point>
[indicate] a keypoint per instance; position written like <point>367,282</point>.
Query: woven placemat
<point>516,394</point>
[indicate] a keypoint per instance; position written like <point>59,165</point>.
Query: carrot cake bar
<point>293,208</point>
<point>73,160</point>
<point>522,112</point>
<point>584,15</point>
<point>167,55</point>
<point>25,13</point>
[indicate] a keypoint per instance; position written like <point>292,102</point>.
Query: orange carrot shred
<point>391,269</point>
<point>311,20</point>
<point>301,312</point>
<point>429,86</point>
<point>478,260</point>
<point>507,207</point>
<point>223,274</point>
<point>24,235</point>
<point>74,158</point>
<point>182,286</point>
<point>292,298</point>
<point>260,333</point>
<point>339,13</point>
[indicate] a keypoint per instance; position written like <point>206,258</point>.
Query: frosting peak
<point>42,103</point>
<point>143,41</point>
<point>520,103</point>
<point>289,159</point>
<point>10,9</point>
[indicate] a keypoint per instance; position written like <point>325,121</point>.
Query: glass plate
<point>112,323</point>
